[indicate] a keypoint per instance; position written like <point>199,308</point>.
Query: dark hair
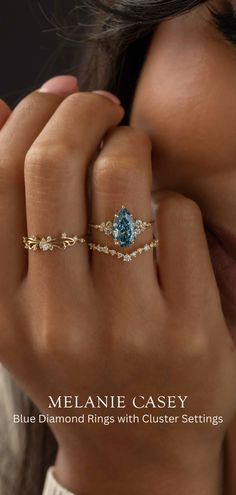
<point>113,37</point>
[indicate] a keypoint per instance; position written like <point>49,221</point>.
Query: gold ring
<point>124,228</point>
<point>48,243</point>
<point>123,256</point>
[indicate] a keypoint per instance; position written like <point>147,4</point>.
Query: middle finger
<point>55,177</point>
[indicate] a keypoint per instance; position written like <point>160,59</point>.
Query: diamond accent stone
<point>108,228</point>
<point>44,245</point>
<point>127,257</point>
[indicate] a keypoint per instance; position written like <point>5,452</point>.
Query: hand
<point>72,324</point>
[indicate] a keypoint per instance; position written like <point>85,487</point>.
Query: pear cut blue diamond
<point>124,228</point>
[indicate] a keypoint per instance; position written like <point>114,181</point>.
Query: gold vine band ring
<point>48,243</point>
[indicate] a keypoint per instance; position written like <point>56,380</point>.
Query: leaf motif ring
<point>49,243</point>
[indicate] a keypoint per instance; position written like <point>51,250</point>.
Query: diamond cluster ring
<point>124,228</point>
<point>48,243</point>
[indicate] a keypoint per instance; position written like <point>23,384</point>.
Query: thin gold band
<point>124,256</point>
<point>48,243</point>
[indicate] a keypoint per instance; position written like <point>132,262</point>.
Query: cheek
<point>186,101</point>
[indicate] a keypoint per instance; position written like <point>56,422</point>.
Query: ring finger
<point>122,176</point>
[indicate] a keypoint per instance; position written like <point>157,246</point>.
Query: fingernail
<point>108,95</point>
<point>60,85</point>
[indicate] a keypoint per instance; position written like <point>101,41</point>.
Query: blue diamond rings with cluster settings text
<point>124,229</point>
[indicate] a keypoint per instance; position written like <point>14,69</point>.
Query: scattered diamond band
<point>124,228</point>
<point>123,256</point>
<point>48,243</point>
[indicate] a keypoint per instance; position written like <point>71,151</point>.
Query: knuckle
<point>53,161</point>
<point>181,209</point>
<point>183,351</point>
<point>183,343</point>
<point>135,136</point>
<point>49,345</point>
<point>35,101</point>
<point>49,342</point>
<point>52,344</point>
<point>189,344</point>
<point>84,100</point>
<point>86,105</point>
<point>30,104</point>
<point>194,347</point>
<point>113,173</point>
<point>77,99</point>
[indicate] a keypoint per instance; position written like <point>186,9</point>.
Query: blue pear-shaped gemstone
<point>123,229</point>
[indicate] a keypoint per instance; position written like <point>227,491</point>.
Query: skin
<point>188,86</point>
<point>68,321</point>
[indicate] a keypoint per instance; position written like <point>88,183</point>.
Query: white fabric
<point>52,487</point>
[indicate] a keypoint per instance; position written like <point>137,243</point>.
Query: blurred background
<point>32,47</point>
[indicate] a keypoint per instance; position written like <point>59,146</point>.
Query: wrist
<point>197,480</point>
<point>101,475</point>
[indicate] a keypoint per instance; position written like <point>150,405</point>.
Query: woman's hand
<point>72,324</point>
